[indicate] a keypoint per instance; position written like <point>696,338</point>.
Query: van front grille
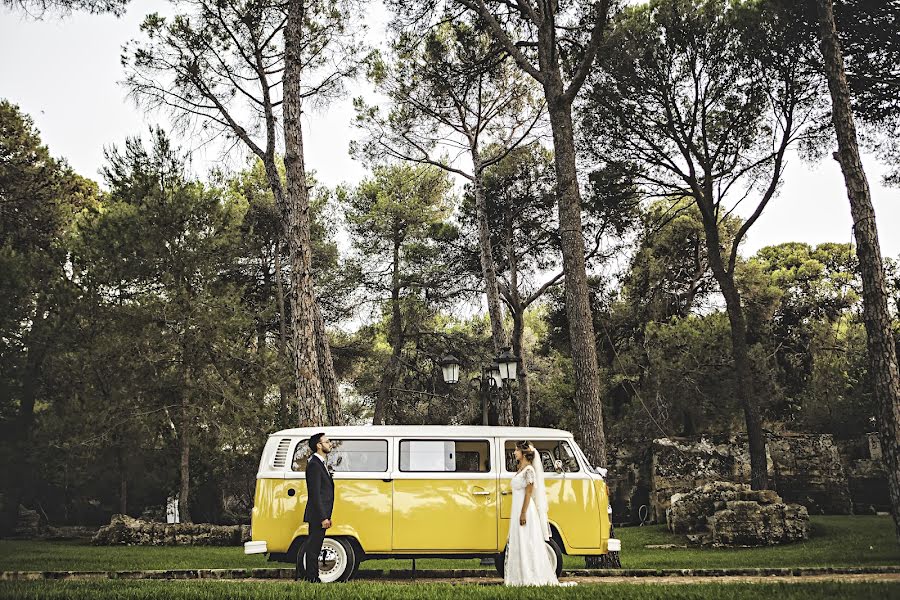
<point>281,453</point>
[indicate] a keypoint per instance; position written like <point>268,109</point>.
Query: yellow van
<point>424,491</point>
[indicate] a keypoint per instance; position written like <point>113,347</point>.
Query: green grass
<point>16,555</point>
<point>214,590</point>
<point>835,541</point>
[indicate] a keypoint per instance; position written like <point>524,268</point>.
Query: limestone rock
<point>123,529</point>
<point>28,523</point>
<point>728,514</point>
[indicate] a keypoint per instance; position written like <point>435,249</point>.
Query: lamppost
<point>508,367</point>
<point>504,368</point>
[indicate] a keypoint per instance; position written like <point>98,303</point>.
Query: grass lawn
<point>834,541</point>
<point>214,590</point>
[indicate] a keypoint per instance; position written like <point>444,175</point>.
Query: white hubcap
<point>332,561</point>
<point>552,555</point>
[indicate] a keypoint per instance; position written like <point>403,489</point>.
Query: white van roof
<point>523,433</point>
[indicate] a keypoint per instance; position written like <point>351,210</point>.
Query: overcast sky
<point>64,72</point>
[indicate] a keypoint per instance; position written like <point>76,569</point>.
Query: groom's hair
<point>314,441</point>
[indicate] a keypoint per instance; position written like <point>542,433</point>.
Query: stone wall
<point>807,470</point>
<point>628,478</point>
<point>866,477</point>
<point>124,530</point>
<point>814,470</point>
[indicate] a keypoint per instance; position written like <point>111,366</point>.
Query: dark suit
<point>319,504</point>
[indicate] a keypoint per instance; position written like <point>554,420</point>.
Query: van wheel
<point>500,562</point>
<point>553,553</point>
<point>337,562</point>
<point>359,563</point>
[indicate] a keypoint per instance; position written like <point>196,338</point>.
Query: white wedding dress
<point>527,562</point>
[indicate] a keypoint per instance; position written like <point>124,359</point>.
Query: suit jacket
<point>320,490</point>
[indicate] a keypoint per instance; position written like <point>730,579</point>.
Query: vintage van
<point>424,491</point>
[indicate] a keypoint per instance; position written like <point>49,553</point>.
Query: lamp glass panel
<point>451,373</point>
<point>508,370</point>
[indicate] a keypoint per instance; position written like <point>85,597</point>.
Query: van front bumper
<point>255,547</point>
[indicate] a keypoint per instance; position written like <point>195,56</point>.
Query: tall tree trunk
<point>486,254</point>
<point>588,398</point>
<point>123,479</point>
<point>395,337</point>
<point>184,438</point>
<point>284,357</point>
<point>326,370</point>
<point>523,387</point>
<point>306,367</point>
<point>881,345</point>
<point>756,440</point>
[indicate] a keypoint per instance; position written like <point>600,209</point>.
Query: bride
<point>527,562</point>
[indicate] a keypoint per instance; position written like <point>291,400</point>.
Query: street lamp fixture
<point>503,369</point>
<point>450,367</point>
<point>508,365</point>
<point>495,374</point>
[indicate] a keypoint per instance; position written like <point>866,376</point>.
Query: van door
<point>572,499</point>
<point>445,496</point>
<point>363,494</point>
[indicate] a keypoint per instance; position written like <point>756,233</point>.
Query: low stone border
<point>288,573</point>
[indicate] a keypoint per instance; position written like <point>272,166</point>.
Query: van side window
<point>445,456</point>
<point>556,456</point>
<point>355,456</point>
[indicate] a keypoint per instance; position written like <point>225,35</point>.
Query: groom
<point>319,503</point>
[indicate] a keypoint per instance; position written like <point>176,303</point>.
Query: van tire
<point>552,547</point>
<point>343,555</point>
<point>360,556</point>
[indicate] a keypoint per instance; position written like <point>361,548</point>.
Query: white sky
<point>64,72</point>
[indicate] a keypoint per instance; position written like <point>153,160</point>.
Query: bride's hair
<point>526,449</point>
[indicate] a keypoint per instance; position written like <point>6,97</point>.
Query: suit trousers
<point>311,551</point>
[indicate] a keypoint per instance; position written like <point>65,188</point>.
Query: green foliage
<point>158,323</point>
<point>123,306</point>
<point>198,64</point>
<point>39,8</point>
<point>404,242</point>
<point>670,274</point>
<point>452,94</point>
<point>521,211</point>
<point>41,198</point>
<point>804,305</point>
